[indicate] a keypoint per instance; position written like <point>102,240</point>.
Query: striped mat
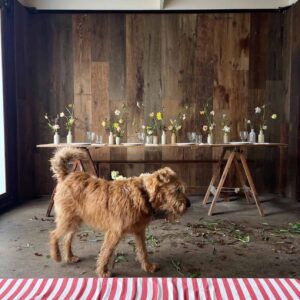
<point>150,288</point>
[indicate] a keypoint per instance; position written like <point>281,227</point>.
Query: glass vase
<point>56,138</point>
<point>163,138</point>
<point>111,138</point>
<point>210,138</point>
<point>149,139</point>
<point>173,138</point>
<point>69,137</point>
<point>226,138</point>
<point>261,137</point>
<point>252,136</point>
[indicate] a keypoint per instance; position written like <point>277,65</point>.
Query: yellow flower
<point>159,116</point>
<point>202,112</point>
<point>71,121</point>
<point>274,116</point>
<point>116,125</point>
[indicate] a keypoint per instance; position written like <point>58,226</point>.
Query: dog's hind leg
<point>68,253</point>
<point>65,226</point>
<point>141,252</point>
<point>54,246</point>
<point>111,240</point>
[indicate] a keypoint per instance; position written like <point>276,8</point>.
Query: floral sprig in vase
<point>116,125</point>
<point>53,125</point>
<point>210,125</point>
<point>151,129</point>
<point>225,128</point>
<point>70,121</point>
<point>176,124</point>
<point>263,116</point>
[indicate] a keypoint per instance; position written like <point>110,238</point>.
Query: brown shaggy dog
<point>116,207</point>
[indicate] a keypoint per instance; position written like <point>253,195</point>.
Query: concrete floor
<point>235,242</point>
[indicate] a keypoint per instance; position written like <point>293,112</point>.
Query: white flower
<point>183,116</point>
<point>257,110</point>
<point>119,129</point>
<point>138,104</point>
<point>117,112</point>
<point>170,127</point>
<point>114,174</point>
<point>274,116</point>
<point>120,177</point>
<point>61,114</point>
<point>236,190</point>
<point>204,127</point>
<point>178,127</point>
<point>120,121</point>
<point>226,129</point>
<point>211,127</point>
<point>151,115</point>
<point>103,123</point>
<point>224,116</point>
<point>248,121</point>
<point>265,127</point>
<point>71,121</point>
<point>46,117</point>
<point>150,132</point>
<point>56,127</point>
<point>143,126</point>
<point>212,113</point>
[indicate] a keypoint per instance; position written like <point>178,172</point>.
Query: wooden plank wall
<point>99,61</point>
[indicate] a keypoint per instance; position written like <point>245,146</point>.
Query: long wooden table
<point>236,157</point>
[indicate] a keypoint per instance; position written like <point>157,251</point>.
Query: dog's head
<point>167,192</point>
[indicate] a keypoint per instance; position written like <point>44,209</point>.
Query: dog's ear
<point>165,175</point>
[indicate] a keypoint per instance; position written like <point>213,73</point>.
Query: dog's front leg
<point>142,254</point>
<point>111,240</point>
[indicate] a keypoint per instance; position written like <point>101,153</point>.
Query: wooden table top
<point>127,145</point>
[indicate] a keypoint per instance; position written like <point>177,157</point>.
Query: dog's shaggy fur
<point>116,207</point>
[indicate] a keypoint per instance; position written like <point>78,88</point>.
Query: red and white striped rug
<point>150,288</point>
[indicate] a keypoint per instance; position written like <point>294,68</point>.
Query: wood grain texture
<point>164,61</point>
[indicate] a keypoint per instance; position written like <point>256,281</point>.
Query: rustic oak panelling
<point>163,61</point>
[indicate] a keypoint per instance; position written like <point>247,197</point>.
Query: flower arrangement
<point>225,124</point>
<point>155,119</point>
<point>70,119</point>
<point>176,123</point>
<point>52,123</point>
<point>262,114</point>
<point>117,123</point>
<point>209,116</point>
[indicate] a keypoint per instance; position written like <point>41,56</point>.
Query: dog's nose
<point>188,202</point>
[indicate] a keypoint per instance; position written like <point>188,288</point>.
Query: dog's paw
<point>73,259</point>
<point>151,267</point>
<point>103,274</point>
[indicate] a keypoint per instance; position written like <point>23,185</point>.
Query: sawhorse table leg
<point>235,155</point>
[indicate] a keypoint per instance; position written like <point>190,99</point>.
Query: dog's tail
<point>61,159</point>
